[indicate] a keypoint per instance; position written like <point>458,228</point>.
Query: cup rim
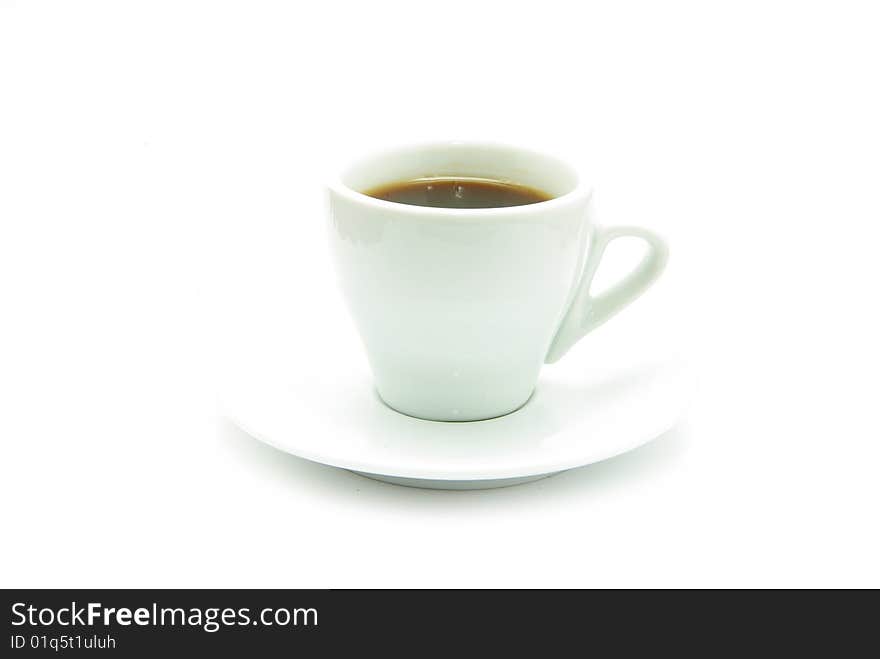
<point>580,192</point>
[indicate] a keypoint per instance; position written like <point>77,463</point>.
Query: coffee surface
<point>458,193</point>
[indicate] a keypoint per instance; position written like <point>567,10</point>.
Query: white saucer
<point>604,401</point>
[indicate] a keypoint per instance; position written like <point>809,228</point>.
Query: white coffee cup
<point>459,308</point>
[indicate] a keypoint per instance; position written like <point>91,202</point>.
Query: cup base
<point>454,416</point>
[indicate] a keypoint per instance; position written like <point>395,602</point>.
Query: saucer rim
<point>465,474</point>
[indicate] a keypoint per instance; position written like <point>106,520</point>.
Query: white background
<point>159,161</point>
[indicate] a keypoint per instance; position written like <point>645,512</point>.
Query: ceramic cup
<point>459,308</point>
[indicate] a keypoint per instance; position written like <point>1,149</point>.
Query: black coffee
<point>458,193</point>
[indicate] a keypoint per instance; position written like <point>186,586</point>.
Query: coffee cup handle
<point>587,312</point>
